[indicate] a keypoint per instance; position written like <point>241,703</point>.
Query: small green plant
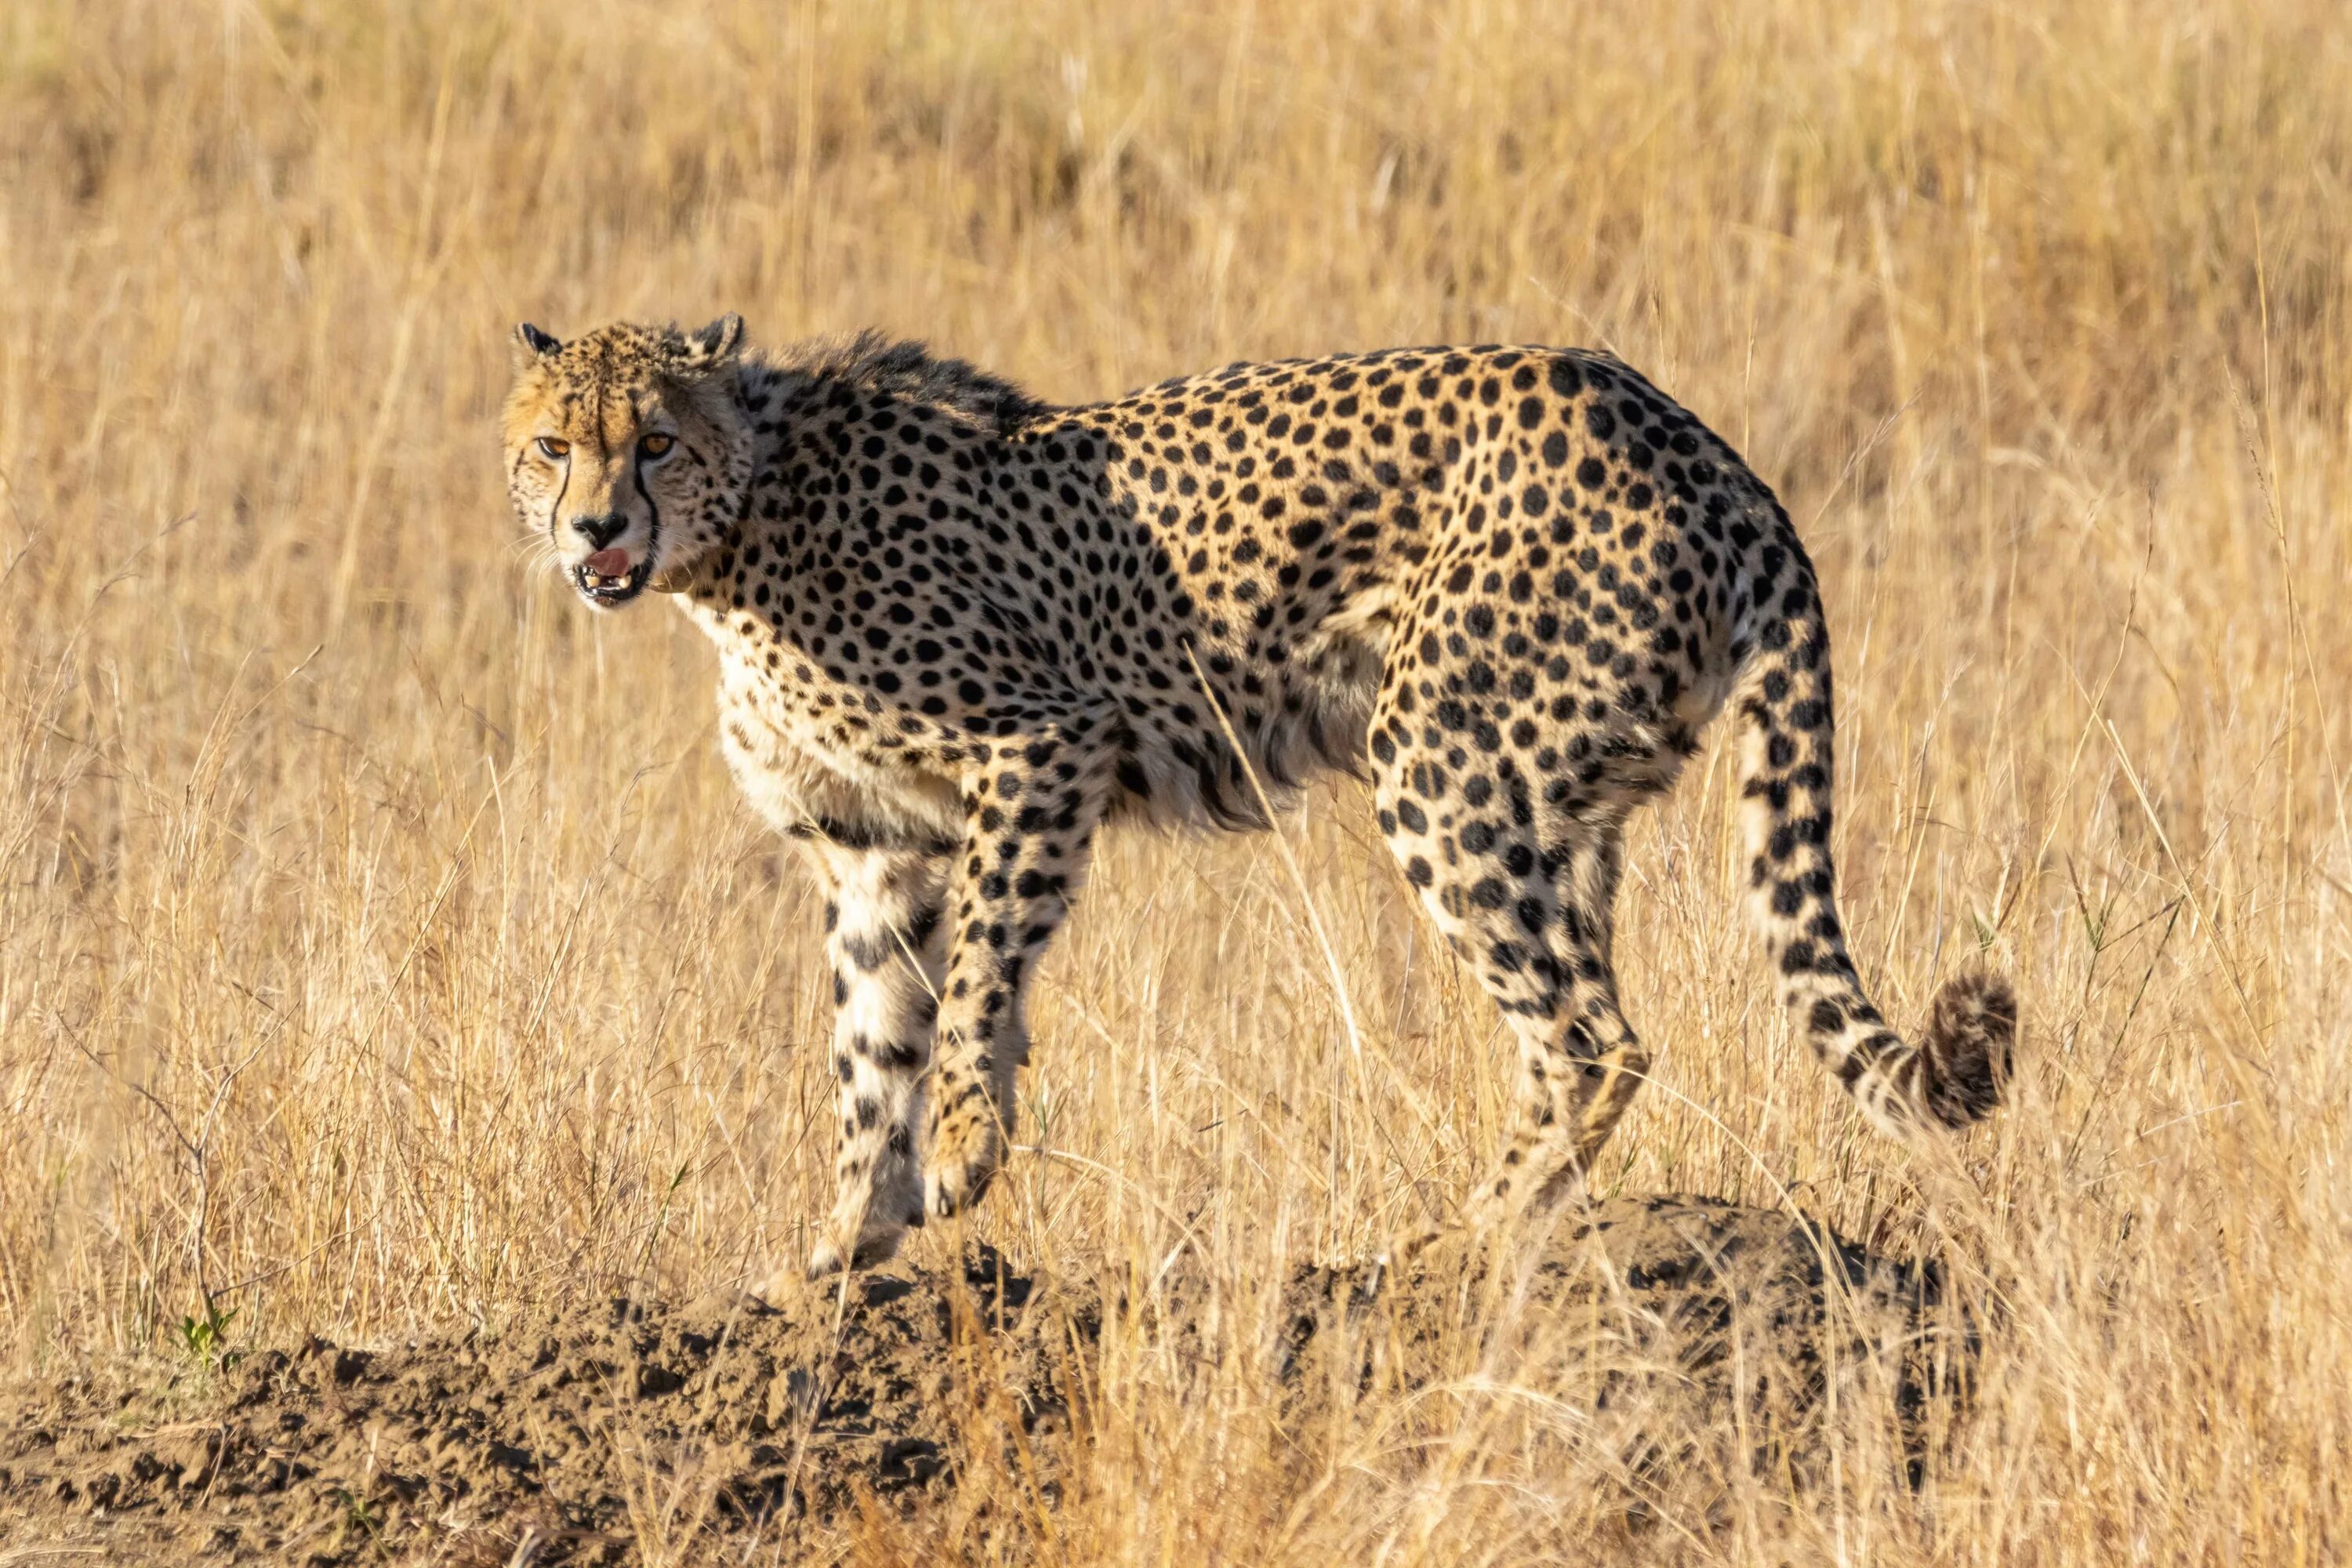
<point>360,1518</point>
<point>204,1340</point>
<point>1043,1107</point>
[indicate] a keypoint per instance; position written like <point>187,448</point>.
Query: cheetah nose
<point>599,531</point>
<point>608,564</point>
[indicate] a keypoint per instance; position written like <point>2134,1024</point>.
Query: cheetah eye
<point>554,449</point>
<point>656,445</point>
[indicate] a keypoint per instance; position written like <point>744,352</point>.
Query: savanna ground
<point>385,952</point>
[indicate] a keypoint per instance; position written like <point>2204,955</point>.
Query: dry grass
<point>382,942</point>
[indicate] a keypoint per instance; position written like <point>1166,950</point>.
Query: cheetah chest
<point>809,765</point>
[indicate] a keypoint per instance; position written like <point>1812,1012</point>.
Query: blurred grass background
<point>383,945</point>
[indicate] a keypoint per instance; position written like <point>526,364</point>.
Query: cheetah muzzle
<point>961,631</point>
<point>609,580</point>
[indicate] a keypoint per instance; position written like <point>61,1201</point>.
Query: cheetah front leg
<point>884,936</point>
<point>1030,827</point>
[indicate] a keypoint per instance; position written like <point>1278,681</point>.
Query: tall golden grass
<point>382,945</point>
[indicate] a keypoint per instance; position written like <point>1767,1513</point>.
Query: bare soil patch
<point>919,1396</point>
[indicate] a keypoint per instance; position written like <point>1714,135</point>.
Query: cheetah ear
<point>714,345</point>
<point>531,343</point>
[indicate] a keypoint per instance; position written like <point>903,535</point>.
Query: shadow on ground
<point>597,1440</point>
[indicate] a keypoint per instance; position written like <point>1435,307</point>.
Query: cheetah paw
<point>963,1163</point>
<point>870,1250</point>
<point>876,1242</point>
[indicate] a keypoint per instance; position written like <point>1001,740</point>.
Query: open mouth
<point>607,589</point>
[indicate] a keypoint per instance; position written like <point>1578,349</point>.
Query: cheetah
<point>962,630</point>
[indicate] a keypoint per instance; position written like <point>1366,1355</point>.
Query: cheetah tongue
<point>608,564</point>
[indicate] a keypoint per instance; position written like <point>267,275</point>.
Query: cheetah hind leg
<point>1583,1065</point>
<point>1537,928</point>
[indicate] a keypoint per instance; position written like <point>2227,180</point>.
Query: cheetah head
<point>628,448</point>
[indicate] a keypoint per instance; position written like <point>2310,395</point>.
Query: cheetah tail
<point>1954,1075</point>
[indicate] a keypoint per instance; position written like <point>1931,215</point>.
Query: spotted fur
<point>960,630</point>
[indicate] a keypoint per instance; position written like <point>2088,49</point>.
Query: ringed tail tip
<point>1965,1056</point>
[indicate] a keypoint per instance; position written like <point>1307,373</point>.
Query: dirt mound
<point>585,1441</point>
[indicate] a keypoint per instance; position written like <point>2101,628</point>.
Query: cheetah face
<point>628,451</point>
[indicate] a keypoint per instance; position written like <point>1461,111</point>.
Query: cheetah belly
<point>1333,683</point>
<point>1311,717</point>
